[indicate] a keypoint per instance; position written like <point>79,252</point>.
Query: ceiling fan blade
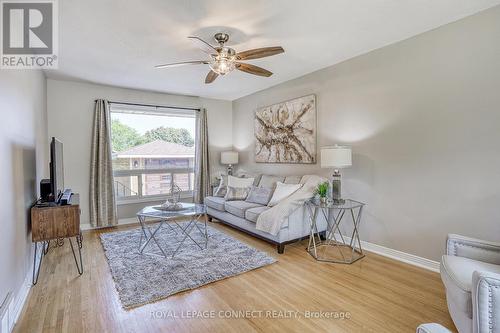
<point>177,64</point>
<point>204,46</point>
<point>211,76</point>
<point>259,53</point>
<point>252,69</point>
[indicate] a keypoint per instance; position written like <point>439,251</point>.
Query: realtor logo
<point>29,34</point>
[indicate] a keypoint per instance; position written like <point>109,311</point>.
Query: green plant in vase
<point>322,191</point>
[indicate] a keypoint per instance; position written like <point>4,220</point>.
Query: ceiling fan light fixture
<point>224,59</point>
<point>223,65</point>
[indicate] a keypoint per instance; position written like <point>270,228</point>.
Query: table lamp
<point>229,158</point>
<point>336,157</point>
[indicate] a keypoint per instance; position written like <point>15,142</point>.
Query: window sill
<point>152,199</point>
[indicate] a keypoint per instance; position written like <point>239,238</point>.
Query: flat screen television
<point>56,169</point>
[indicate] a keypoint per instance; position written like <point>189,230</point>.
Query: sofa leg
<point>281,248</point>
<point>210,218</point>
<point>322,235</point>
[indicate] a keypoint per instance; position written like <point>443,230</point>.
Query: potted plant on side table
<point>322,192</point>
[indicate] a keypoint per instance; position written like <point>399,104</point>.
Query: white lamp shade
<point>336,157</point>
<point>229,157</point>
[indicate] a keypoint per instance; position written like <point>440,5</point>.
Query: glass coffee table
<point>153,219</point>
<point>336,247</point>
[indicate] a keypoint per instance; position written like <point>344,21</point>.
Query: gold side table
<point>336,247</point>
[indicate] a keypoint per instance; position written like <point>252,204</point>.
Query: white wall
<point>70,108</point>
<point>23,162</point>
<point>423,117</point>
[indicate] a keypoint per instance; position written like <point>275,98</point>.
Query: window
<point>153,150</point>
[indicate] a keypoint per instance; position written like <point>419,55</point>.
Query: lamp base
<point>230,170</point>
<point>336,187</point>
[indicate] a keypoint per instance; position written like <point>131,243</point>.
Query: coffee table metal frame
<point>163,218</point>
<point>334,214</point>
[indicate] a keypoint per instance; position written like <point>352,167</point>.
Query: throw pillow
<point>239,182</point>
<point>282,191</point>
<point>221,190</point>
<point>244,174</point>
<point>236,193</point>
<point>259,195</point>
<point>270,181</point>
<point>292,179</point>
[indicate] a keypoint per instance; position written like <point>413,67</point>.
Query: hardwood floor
<point>378,294</point>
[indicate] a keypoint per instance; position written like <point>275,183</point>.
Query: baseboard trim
<point>14,304</point>
<point>398,255</point>
<point>5,308</point>
<point>20,300</point>
<point>371,247</point>
<point>130,220</point>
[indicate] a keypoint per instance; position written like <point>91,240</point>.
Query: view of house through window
<point>153,149</point>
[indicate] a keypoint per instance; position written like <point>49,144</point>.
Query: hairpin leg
<point>79,267</point>
<point>46,247</point>
<point>79,240</point>
<point>36,269</point>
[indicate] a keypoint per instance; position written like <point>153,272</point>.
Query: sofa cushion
<point>252,214</point>
<point>270,181</point>
<point>259,195</point>
<point>456,273</point>
<point>215,203</point>
<point>236,193</point>
<point>292,179</point>
<point>239,207</point>
<point>239,182</point>
<point>245,174</point>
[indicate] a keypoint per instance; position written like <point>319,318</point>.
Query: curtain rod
<point>154,106</point>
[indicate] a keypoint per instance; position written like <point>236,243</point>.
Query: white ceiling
<point>117,42</point>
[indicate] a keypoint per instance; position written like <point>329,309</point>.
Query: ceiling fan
<point>224,59</point>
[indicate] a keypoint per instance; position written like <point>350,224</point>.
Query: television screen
<point>56,168</point>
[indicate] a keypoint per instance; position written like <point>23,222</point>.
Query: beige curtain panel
<point>102,195</point>
<point>201,167</point>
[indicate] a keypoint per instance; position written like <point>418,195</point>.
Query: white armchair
<point>470,271</point>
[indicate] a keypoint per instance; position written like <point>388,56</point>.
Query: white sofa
<point>243,215</point>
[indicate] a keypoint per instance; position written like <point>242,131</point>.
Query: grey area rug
<point>143,278</point>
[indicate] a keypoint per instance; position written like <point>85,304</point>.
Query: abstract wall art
<point>286,132</point>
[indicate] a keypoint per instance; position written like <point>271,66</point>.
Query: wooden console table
<point>54,223</point>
